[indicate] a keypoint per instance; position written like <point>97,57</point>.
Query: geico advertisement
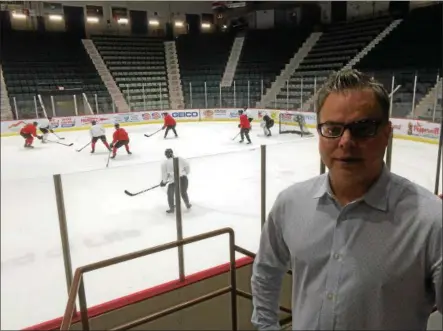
<point>184,114</point>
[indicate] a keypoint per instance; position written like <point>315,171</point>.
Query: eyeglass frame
<point>376,122</point>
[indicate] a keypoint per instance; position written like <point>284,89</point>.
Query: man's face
<point>349,157</point>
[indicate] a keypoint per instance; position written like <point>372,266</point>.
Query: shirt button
<point>336,256</point>
<point>330,296</point>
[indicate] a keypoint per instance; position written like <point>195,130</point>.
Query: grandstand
<point>113,69</point>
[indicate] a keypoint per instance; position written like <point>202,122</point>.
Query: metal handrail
<point>78,284</point>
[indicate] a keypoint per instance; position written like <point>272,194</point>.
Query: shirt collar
<point>376,197</point>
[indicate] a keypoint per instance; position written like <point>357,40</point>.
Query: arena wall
<point>410,129</point>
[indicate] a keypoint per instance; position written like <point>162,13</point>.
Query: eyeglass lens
<point>361,129</point>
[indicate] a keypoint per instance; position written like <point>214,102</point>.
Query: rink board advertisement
<point>403,128</point>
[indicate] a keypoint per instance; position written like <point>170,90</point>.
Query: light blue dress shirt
<point>375,264</point>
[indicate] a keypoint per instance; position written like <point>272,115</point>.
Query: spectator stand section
<point>138,67</point>
<point>410,56</point>
<point>202,60</point>
<point>265,54</point>
<point>50,74</point>
<point>338,45</point>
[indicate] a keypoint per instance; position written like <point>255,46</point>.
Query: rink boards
<point>417,130</point>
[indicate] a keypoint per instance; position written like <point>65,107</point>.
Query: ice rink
<point>224,189</point>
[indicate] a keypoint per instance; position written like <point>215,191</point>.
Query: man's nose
<point>346,140</point>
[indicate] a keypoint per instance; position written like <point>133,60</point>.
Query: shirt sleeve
<point>270,265</point>
<point>186,166</point>
<point>164,171</point>
<point>434,253</point>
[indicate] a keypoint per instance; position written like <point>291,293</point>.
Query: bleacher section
<point>335,48</point>
<point>203,59</point>
<point>265,53</point>
<point>138,66</point>
<point>414,47</point>
<point>50,63</point>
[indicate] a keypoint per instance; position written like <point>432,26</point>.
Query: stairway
<point>358,57</point>
<point>372,44</point>
<point>5,105</point>
<point>288,70</point>
<point>114,91</point>
<point>231,66</point>
<point>429,101</point>
<point>174,81</point>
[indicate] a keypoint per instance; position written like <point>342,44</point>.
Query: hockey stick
<point>109,157</point>
<point>79,150</point>
<point>55,134</point>
<point>236,136</point>
<point>57,142</point>
<point>150,135</point>
<point>137,193</point>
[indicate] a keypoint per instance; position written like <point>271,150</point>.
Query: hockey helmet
<point>94,122</point>
<point>164,113</point>
<point>49,118</point>
<point>35,123</point>
<point>117,125</point>
<point>169,153</point>
<point>240,111</point>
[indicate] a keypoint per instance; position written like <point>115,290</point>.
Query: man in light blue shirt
<point>364,245</point>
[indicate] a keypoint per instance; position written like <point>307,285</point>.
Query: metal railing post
<point>178,219</point>
<point>15,108</point>
<point>63,230</point>
<point>36,106</point>
<point>440,143</point>
<point>190,94</point>
<point>75,105</point>
<point>53,106</point>
<point>206,96</point>
<point>413,95</point>
<point>96,103</point>
<point>263,183</point>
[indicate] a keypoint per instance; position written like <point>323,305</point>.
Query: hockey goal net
<point>293,123</point>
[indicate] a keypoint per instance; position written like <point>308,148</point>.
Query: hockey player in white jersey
<point>45,127</point>
<point>97,132</point>
<point>167,170</point>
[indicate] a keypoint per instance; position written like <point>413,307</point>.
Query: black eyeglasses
<point>359,129</point>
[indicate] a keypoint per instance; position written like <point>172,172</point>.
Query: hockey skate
<point>170,211</point>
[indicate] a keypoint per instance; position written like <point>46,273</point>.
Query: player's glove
<point>162,184</point>
<point>39,137</point>
<point>163,127</point>
<point>239,125</point>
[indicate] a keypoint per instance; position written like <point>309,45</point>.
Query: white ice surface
<point>103,222</point>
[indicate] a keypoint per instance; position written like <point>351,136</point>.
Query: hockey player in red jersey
<point>169,124</point>
<point>120,138</point>
<point>245,126</point>
<point>28,132</point>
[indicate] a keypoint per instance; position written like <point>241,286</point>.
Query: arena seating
<point>203,58</point>
<point>139,69</point>
<point>50,63</point>
<point>265,53</point>
<point>414,47</point>
<point>335,48</point>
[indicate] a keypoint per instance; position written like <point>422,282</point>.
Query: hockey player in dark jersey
<point>267,124</point>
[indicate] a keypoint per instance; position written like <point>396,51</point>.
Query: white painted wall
<point>264,19</point>
<point>325,7</point>
<point>356,9</point>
